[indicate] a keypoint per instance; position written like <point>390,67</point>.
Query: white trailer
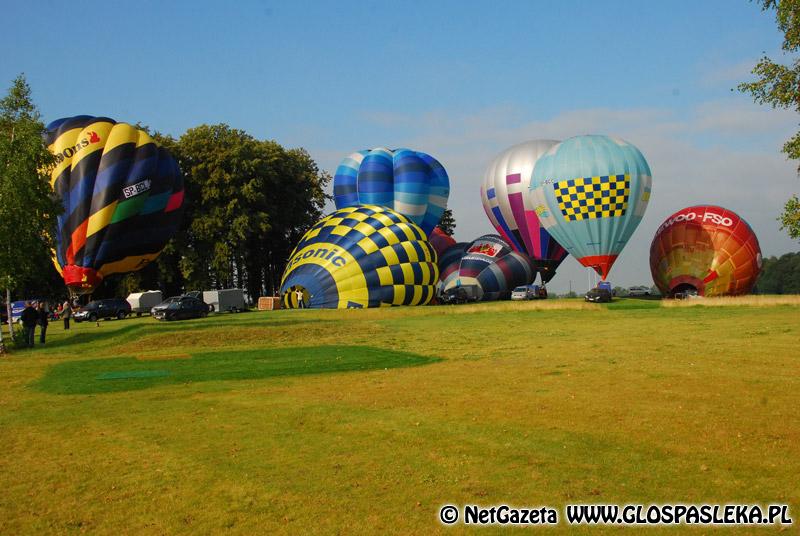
<point>229,299</point>
<point>142,302</point>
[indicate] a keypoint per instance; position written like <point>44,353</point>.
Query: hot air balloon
<point>365,256</point>
<point>410,182</point>
<point>706,249</point>
<point>590,193</point>
<point>122,195</point>
<point>488,264</point>
<point>449,262</point>
<point>506,200</point>
<point>440,241</point>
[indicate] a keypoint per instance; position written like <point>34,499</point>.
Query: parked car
<point>16,310</point>
<point>164,304</point>
<point>529,292</point>
<point>184,307</point>
<point>110,308</point>
<point>598,295</point>
<point>639,291</point>
<point>463,294</point>
<point>521,293</point>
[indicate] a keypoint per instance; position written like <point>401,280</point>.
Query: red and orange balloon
<point>705,248</point>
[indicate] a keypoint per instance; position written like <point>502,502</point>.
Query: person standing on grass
<point>66,313</point>
<point>44,313</point>
<point>29,318</point>
<point>300,303</point>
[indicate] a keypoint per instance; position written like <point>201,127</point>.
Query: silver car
<point>639,291</point>
<point>520,293</point>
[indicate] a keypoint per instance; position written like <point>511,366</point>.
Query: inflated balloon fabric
<point>507,202</point>
<point>365,256</point>
<point>412,183</point>
<point>122,195</point>
<point>487,263</point>
<point>707,249</point>
<point>590,193</point>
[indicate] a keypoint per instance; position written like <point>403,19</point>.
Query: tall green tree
<point>778,85</point>
<point>27,208</point>
<point>448,223</point>
<point>248,202</point>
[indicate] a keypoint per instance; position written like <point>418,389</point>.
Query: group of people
<point>38,314</point>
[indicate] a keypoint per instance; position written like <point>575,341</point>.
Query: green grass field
<point>367,421</point>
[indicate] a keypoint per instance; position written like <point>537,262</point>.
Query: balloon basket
<point>81,280</point>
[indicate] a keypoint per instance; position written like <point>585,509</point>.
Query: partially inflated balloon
<point>590,193</point>
<point>707,249</point>
<point>122,195</point>
<point>440,241</point>
<point>487,263</point>
<point>410,182</point>
<point>366,256</point>
<point>506,200</point>
<point>449,262</point>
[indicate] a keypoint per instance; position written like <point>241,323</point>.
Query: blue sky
<point>459,80</point>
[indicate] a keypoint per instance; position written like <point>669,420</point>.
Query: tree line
<point>780,275</point>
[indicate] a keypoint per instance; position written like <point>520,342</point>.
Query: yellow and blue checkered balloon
<point>590,193</point>
<point>364,256</point>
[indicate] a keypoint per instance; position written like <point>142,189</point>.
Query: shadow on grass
<point>133,331</point>
<point>129,374</point>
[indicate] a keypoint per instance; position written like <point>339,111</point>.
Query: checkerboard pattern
<point>593,197</point>
<point>383,259</point>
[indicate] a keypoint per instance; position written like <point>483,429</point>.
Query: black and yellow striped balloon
<point>364,256</point>
<point>122,195</point>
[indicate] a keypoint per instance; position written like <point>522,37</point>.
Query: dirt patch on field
<point>244,337</point>
<point>734,301</point>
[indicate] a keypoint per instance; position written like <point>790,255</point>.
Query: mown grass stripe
<point>89,376</point>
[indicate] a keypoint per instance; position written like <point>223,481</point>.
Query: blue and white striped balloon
<point>410,182</point>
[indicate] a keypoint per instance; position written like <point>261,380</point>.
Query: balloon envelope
<point>440,241</point>
<point>122,195</point>
<point>705,248</point>
<point>508,205</point>
<point>410,182</point>
<point>590,193</point>
<point>366,256</point>
<point>487,263</point>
